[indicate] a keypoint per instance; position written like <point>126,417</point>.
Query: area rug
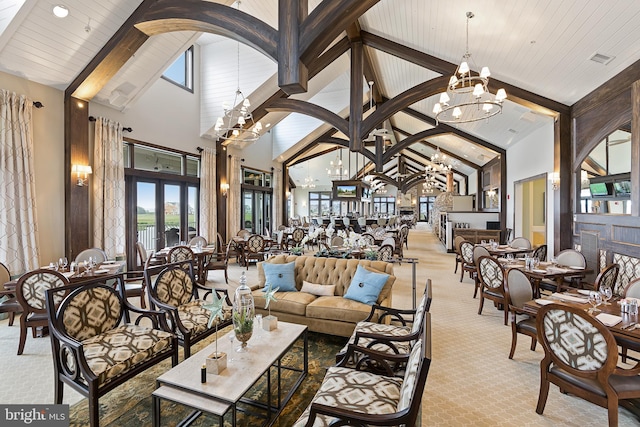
<point>130,405</point>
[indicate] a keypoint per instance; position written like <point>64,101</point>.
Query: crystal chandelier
<point>440,162</point>
<point>467,98</point>
<point>308,181</point>
<point>335,171</point>
<point>237,121</point>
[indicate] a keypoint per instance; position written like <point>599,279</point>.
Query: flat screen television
<point>622,188</point>
<point>348,191</point>
<point>599,189</point>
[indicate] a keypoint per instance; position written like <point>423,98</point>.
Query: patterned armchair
<point>491,275</point>
<point>580,357</point>
<point>176,292</point>
<point>395,331</point>
<point>30,292</point>
<point>382,399</point>
<point>94,349</point>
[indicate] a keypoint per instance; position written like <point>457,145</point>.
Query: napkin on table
<point>609,319</point>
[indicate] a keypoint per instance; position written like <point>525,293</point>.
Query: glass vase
<point>243,314</point>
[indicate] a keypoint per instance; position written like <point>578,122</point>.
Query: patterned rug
<point>130,404</point>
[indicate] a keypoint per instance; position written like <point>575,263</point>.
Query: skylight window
<point>180,72</point>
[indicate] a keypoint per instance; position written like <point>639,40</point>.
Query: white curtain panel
<point>18,222</point>
<point>208,205</point>
<point>233,197</point>
<point>108,188</point>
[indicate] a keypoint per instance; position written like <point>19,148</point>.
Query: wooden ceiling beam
<point>309,109</point>
<point>528,99</point>
<point>293,75</point>
<point>325,23</point>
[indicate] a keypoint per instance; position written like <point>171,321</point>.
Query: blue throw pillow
<point>280,276</point>
<point>366,285</point>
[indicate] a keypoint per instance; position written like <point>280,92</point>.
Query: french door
<point>426,206</point>
<point>162,213</point>
<point>256,210</point>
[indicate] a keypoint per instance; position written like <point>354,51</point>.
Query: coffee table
<point>222,393</point>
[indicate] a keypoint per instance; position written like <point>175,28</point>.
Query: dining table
<point>546,270</point>
<point>504,250</point>
<point>202,256</point>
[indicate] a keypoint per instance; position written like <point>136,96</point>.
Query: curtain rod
<point>124,129</point>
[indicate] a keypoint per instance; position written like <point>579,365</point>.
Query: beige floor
<point>471,381</point>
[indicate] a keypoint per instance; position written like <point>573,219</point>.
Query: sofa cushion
<point>280,276</point>
<point>338,308</point>
<point>286,302</point>
<point>366,286</point>
<point>115,352</point>
<point>318,289</point>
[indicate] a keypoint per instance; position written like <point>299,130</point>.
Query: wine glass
<point>231,335</point>
<point>509,258</point>
<point>595,299</point>
<point>63,262</point>
<point>606,293</point>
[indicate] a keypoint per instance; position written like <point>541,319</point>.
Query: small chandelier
<point>237,121</point>
<point>467,98</point>
<point>308,181</point>
<point>335,170</point>
<point>440,162</point>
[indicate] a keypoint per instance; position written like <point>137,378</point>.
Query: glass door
<point>146,217</point>
<point>171,214</point>
<point>426,207</point>
<point>256,210</point>
<point>247,210</point>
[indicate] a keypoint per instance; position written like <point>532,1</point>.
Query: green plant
<point>296,250</point>
<point>371,254</point>
<point>242,322</point>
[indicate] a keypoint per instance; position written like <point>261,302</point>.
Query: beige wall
<point>48,146</point>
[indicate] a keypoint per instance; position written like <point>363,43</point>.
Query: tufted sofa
<point>326,314</point>
<point>94,348</point>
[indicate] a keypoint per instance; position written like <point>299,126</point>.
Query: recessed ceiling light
<point>60,10</point>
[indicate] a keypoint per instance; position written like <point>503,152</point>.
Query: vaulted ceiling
<point>540,50</point>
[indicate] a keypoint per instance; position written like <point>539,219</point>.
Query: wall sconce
<point>81,172</point>
<point>554,178</point>
<point>224,187</point>
<point>288,194</point>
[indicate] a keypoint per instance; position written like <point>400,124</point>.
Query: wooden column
<point>563,197</point>
<point>76,151</point>
<point>292,73</point>
<point>635,148</point>
<point>355,110</point>
<point>450,181</point>
<point>222,176</point>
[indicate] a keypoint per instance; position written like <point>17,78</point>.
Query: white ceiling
<point>541,46</point>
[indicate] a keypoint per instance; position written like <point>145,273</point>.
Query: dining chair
<point>175,291</point>
<point>580,357</point>
<point>198,239</point>
<point>368,238</point>
<point>517,291</point>
<point>180,253</point>
<point>456,249</point>
<point>491,276</point>
<point>98,255</point>
<point>468,264</point>
<point>219,261</point>
<point>572,258</point>
<point>143,256</point>
<point>296,236</point>
<point>254,249</point>
<point>30,292</point>
<point>478,251</point>
<point>337,241</point>
<point>632,290</point>
<point>540,253</point>
<point>607,278</point>
<point>385,253</point>
<point>8,302</point>
<point>521,242</point>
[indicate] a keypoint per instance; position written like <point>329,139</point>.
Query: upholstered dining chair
<point>491,276</point>
<point>175,291</point>
<point>468,265</point>
<point>580,357</point>
<point>521,242</point>
<point>219,261</point>
<point>632,290</point>
<point>368,239</point>
<point>10,304</point>
<point>337,241</point>
<point>607,278</point>
<point>385,253</point>
<point>517,291</point>
<point>198,239</point>
<point>478,251</point>
<point>30,292</point>
<point>98,255</point>
<point>540,253</point>
<point>456,249</point>
<point>253,249</point>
